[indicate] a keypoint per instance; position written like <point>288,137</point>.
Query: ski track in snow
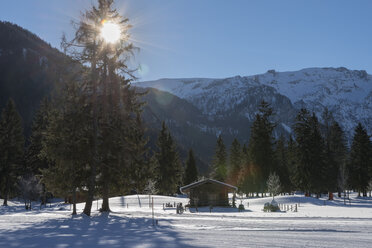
<point>129,225</point>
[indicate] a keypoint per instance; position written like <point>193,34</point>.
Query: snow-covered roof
<point>194,184</point>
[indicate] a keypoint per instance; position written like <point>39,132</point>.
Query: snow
<point>206,181</point>
<point>24,53</point>
<point>347,93</point>
<point>288,129</point>
<point>318,223</point>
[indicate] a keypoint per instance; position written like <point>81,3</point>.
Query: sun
<point>110,31</point>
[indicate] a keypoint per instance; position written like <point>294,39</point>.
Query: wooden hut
<point>208,192</point>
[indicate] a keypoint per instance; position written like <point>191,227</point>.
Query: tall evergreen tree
<point>219,164</point>
<point>331,165</point>
<point>360,160</point>
<point>310,153</point>
<point>34,161</point>
<point>339,156</point>
<point>281,168</point>
<point>140,165</point>
<point>235,164</point>
<point>191,171</point>
<point>169,171</point>
<point>65,144</point>
<point>293,165</point>
<point>261,145</point>
<point>11,148</point>
<point>245,177</point>
<point>111,100</point>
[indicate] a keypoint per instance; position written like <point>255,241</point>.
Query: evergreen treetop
<point>219,164</point>
<point>191,171</point>
<point>11,148</point>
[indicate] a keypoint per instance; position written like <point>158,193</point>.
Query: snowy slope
<point>347,93</point>
<point>130,225</point>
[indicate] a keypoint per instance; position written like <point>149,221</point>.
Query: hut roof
<point>208,180</point>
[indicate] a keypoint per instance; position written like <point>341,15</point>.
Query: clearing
<point>318,223</point>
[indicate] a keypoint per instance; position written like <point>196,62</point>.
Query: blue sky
<point>215,38</point>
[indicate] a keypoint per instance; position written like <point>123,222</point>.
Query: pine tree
<point>244,182</point>
<point>360,160</point>
<point>334,146</point>
<point>281,157</point>
<point>261,145</point>
<point>11,148</point>
<point>235,164</point>
<point>293,165</point>
<point>191,171</point>
<point>34,161</point>
<point>140,165</point>
<point>310,153</point>
<point>169,170</point>
<point>339,155</point>
<point>219,165</point>
<point>65,144</point>
<point>112,102</point>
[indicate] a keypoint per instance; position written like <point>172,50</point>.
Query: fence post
<point>153,222</point>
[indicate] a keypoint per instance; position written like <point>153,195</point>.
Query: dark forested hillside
<point>29,69</point>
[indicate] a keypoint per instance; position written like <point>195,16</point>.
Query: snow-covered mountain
<point>346,93</point>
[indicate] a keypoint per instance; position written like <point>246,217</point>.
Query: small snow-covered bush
<point>271,207</point>
<point>241,207</point>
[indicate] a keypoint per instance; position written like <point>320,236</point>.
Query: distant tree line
<point>315,159</point>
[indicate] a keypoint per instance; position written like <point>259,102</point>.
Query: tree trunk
<point>344,197</point>
<point>330,196</point>
<point>44,195</point>
<point>105,199</point>
<point>6,192</point>
<point>94,164</point>
<point>74,202</point>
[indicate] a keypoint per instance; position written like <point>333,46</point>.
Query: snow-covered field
<point>318,223</point>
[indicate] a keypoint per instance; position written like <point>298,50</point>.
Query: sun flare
<point>110,31</point>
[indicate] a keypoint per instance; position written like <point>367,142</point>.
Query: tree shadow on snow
<point>98,231</point>
<point>364,202</point>
<point>216,210</point>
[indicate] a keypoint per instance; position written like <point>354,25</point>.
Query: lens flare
<point>110,31</point>
<point>143,70</point>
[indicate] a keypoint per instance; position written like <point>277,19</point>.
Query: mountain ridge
<point>346,93</point>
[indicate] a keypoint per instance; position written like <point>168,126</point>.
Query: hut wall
<point>209,195</point>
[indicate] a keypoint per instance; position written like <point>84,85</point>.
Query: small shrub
<point>241,207</point>
<point>268,207</point>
